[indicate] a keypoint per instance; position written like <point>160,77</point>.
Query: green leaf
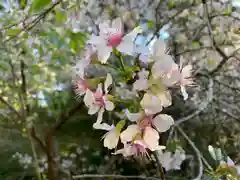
<point>172,145</point>
<point>150,24</point>
<point>120,125</point>
<point>60,16</point>
<point>13,32</point>
<point>196,44</point>
<point>39,4</point>
<point>171,4</point>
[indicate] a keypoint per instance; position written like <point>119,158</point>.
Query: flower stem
<point>122,63</point>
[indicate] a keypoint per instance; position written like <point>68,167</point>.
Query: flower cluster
<point>149,77</point>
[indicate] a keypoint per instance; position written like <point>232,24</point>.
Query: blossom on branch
<point>111,37</point>
<point>98,101</point>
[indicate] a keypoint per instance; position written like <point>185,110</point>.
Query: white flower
<point>151,104</point>
<point>113,37</point>
<point>145,124</point>
<point>79,68</point>
<point>111,137</point>
<point>97,102</point>
<point>142,82</point>
<point>162,122</point>
<point>171,161</point>
<point>163,66</point>
<point>129,134</point>
<point>185,79</point>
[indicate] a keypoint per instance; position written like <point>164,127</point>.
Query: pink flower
<point>97,101</point>
<point>81,87</point>
<point>145,127</point>
<point>113,37</point>
<point>137,147</point>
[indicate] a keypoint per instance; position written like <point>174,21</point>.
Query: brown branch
<point>24,88</point>
<point>64,117</point>
<point>37,139</point>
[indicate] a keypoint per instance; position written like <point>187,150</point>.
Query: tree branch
<point>202,106</point>
<point>10,107</point>
<point>64,117</point>
<point>33,22</point>
<point>225,58</point>
<point>198,153</point>
<point>97,176</point>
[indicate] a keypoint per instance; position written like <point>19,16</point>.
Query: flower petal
<point>93,109</point>
<point>104,52</point>
<point>151,104</point>
<point>95,40</point>
<point>117,24</point>
<point>163,122</point>
<point>165,98</point>
<point>140,84</point>
<point>111,139</point>
<point>129,133</point>
<point>163,66</point>
<point>102,126</point>
<point>151,138</point>
<point>100,115</point>
<point>88,98</point>
<point>109,105</point>
<point>133,116</point>
<point>184,92</point>
<point>107,83</point>
<point>126,46</point>
<point>159,47</point>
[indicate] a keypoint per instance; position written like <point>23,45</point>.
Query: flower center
<point>114,40</point>
<point>146,121</point>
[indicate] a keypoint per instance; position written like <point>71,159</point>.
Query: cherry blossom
<point>171,161</point>
<point>164,64</point>
<point>145,126</point>
<point>111,137</point>
<point>137,147</point>
<point>153,103</point>
<point>79,69</point>
<point>185,79</point>
<point>98,101</point>
<point>142,82</point>
<point>113,37</point>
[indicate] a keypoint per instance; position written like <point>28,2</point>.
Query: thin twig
<point>34,22</point>
<point>114,176</point>
<point>159,166</point>
<point>198,153</point>
<point>202,106</point>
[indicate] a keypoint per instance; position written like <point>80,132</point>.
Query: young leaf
<point>39,4</point>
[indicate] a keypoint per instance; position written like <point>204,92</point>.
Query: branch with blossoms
<point>147,85</point>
